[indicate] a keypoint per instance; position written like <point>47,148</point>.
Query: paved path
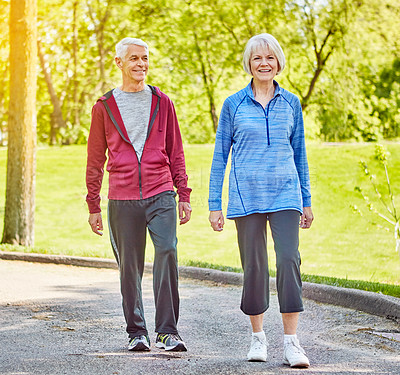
<point>57,319</point>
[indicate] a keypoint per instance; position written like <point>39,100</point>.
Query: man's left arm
<point>177,164</point>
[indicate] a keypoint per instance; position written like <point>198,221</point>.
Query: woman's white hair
<point>263,40</point>
<point>121,48</point>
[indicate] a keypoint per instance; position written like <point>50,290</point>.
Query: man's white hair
<point>263,40</point>
<point>121,48</point>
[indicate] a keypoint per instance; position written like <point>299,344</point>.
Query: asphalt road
<point>57,319</point>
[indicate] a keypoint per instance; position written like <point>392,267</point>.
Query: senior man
<point>136,125</point>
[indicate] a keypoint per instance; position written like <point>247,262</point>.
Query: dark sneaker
<point>139,343</point>
<point>171,342</point>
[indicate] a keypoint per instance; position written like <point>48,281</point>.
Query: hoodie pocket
<point>155,167</point>
<point>123,162</point>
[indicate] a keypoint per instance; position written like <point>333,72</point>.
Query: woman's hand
<point>216,219</point>
<point>307,218</point>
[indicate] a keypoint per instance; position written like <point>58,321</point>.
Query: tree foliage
<point>386,200</point>
<point>341,60</point>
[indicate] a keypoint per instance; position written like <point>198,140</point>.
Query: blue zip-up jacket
<point>269,168</point>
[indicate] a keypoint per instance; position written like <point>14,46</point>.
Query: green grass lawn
<point>340,244</point>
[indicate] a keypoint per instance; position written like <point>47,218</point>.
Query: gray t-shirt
<point>135,110</point>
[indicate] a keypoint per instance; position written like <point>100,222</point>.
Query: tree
<point>383,91</point>
<point>56,117</point>
<point>4,58</point>
<point>78,50</point>
<point>334,44</point>
<point>100,16</point>
<point>202,53</point>
<point>387,200</point>
<point>321,29</point>
<point>20,191</point>
<point>196,50</point>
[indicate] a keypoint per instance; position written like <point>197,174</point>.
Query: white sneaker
<point>258,349</point>
<point>294,354</point>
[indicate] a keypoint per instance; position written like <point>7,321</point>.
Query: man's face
<point>135,64</point>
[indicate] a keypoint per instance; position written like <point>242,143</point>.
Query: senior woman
<point>268,182</point>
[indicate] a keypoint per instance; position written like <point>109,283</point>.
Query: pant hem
<point>301,309</point>
<point>167,332</point>
<point>138,333</point>
<point>255,313</point>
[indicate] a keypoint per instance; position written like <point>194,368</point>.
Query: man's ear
<point>118,62</point>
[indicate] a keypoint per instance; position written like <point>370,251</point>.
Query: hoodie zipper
<point>152,119</point>
<point>140,176</point>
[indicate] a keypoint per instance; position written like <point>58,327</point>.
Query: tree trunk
<point>397,236</point>
<point>20,191</point>
<point>56,117</point>
<point>305,99</point>
<point>100,22</point>
<point>3,109</point>
<point>213,111</point>
<point>76,121</point>
<point>208,84</point>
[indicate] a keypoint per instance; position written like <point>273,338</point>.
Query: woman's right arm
<point>223,143</point>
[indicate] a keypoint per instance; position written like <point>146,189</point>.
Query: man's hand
<point>216,219</point>
<point>96,223</point>
<point>307,218</point>
<point>185,211</point>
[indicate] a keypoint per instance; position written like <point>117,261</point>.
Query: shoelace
<point>175,337</point>
<point>296,346</point>
<point>257,343</point>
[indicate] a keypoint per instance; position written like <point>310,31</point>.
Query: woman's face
<point>263,64</point>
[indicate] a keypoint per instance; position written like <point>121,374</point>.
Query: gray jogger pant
<point>128,220</point>
<point>252,239</point>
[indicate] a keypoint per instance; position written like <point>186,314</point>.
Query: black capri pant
<point>252,239</point>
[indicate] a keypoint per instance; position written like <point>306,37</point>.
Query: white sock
<point>288,338</point>
<point>260,335</point>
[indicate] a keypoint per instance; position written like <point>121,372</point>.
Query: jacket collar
<point>112,109</point>
<point>154,90</point>
<point>250,94</point>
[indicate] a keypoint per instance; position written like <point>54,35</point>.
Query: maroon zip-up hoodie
<point>162,165</point>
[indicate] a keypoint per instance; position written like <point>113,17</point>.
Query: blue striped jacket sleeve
<point>300,155</point>
<point>223,143</point>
